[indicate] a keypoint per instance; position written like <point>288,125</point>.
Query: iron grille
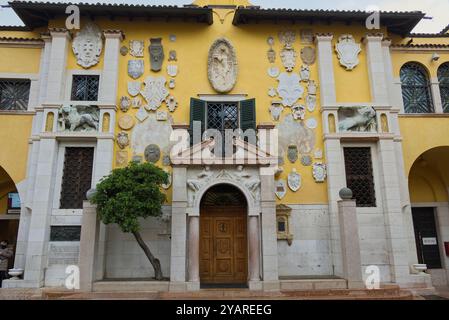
<point>222,116</point>
<point>65,233</point>
<point>416,89</point>
<point>443,78</point>
<point>359,175</point>
<point>14,94</point>
<point>77,177</point>
<point>85,87</point>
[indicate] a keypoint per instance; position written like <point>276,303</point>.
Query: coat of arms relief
<point>154,92</point>
<point>348,51</point>
<point>222,66</point>
<point>87,45</point>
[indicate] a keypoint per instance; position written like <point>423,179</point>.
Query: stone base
<point>14,284</point>
<point>193,286</point>
<point>131,286</point>
<point>255,285</point>
<point>271,286</point>
<point>177,287</point>
<point>356,285</point>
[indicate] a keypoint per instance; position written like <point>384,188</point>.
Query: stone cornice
<point>18,42</point>
<point>323,37</point>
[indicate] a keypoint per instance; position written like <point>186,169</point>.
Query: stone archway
<point>223,254</point>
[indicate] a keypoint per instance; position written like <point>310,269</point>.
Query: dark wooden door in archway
<point>223,237</point>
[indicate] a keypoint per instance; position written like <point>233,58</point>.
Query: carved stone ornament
<point>136,102</point>
<point>272,92</point>
<point>172,83</point>
<point>306,160</point>
<point>172,55</point>
<point>136,68</point>
<point>168,184</point>
<point>121,158</point>
<point>280,189</point>
<point>161,116</point>
<point>348,51</point>
<point>306,36</point>
<point>125,103</point>
<point>357,119</point>
<point>311,102</point>
<point>292,132</point>
<point>273,72</point>
<point>287,38</point>
<point>171,103</point>
<point>305,73</point>
<point>87,45</point>
<point>166,161</point>
<point>126,122</point>
<point>271,55</point>
<point>288,57</point>
<point>308,55</point>
<point>134,88</point>
<point>311,87</point>
<point>172,38</point>
<point>122,140</point>
<point>292,153</point>
<point>311,123</point>
<point>294,180</point>
<point>318,154</point>
<point>276,109</point>
<point>299,112</point>
<point>172,70</point>
<point>124,50</point>
<point>319,172</point>
<point>137,47</point>
<point>156,54</point>
<point>222,66</point>
<point>141,114</point>
<point>289,89</point>
<point>154,92</point>
<point>78,118</point>
<point>152,153</point>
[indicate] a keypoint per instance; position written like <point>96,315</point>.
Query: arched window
<point>443,78</point>
<point>416,89</point>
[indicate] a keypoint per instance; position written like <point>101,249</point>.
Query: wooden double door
<point>223,245</point>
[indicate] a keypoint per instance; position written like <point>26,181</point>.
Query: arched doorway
<point>223,237</point>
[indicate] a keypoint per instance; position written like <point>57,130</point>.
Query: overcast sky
<point>437,9</point>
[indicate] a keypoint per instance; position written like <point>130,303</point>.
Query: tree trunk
<point>154,261</point>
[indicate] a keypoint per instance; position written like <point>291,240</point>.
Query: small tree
<point>128,194</point>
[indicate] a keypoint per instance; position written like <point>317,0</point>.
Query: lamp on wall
<point>435,57</point>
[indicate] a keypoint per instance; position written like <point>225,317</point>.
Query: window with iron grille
<point>85,87</point>
<point>443,78</point>
<point>359,175</point>
<point>65,233</point>
<point>222,116</point>
<point>77,177</point>
<point>416,89</point>
<point>14,94</point>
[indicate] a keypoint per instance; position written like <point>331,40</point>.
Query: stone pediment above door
<point>202,154</point>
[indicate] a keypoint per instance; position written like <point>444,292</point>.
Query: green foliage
<point>130,193</point>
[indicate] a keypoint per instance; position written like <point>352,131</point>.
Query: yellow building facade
<point>333,105</point>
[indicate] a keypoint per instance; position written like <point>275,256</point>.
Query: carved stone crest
<point>287,38</point>
<point>169,182</point>
<point>154,92</point>
<point>222,66</point>
<point>136,48</point>
<point>124,50</point>
<point>311,123</point>
<point>280,189</point>
<point>78,118</point>
<point>126,122</point>
<point>311,87</point>
<point>308,55</point>
<point>311,102</point>
<point>273,71</point>
<point>288,57</point>
<point>156,54</point>
<point>87,45</point>
<point>171,103</point>
<point>141,114</point>
<point>348,51</point>
<point>136,102</point>
<point>152,153</point>
<point>161,116</point>
<point>299,112</point>
<point>271,54</point>
<point>289,89</point>
<point>294,180</point>
<point>121,158</point>
<point>305,73</point>
<point>134,88</point>
<point>122,140</point>
<point>292,153</point>
<point>306,160</point>
<point>136,68</point>
<point>172,83</point>
<point>172,55</point>
<point>319,172</point>
<point>272,92</point>
<point>276,109</point>
<point>172,70</point>
<point>125,103</point>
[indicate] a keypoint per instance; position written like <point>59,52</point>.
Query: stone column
<point>194,254</point>
<point>178,230</point>
<point>350,244</point>
<point>254,253</point>
<point>269,234</point>
<point>109,81</point>
<point>326,68</point>
<point>44,68</point>
<point>436,95</point>
<point>89,240</point>
<point>376,68</point>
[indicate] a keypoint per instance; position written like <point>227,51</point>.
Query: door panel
<point>426,237</point>
<point>223,246</point>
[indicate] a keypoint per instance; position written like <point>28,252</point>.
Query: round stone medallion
<point>126,122</point>
<point>152,153</point>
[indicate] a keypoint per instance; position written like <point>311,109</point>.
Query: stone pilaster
<point>254,253</point>
<point>376,68</point>
<point>326,69</point>
<point>109,81</point>
<point>436,95</point>
<point>193,271</point>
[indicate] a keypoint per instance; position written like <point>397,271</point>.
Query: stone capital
<point>323,37</point>
<point>372,37</point>
<point>114,34</point>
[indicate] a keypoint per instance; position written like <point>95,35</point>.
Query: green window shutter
<point>248,114</point>
<point>197,113</point>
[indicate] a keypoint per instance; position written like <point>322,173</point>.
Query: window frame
<point>34,89</point>
<point>444,87</point>
<point>221,102</point>
<point>427,87</point>
<point>69,84</point>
